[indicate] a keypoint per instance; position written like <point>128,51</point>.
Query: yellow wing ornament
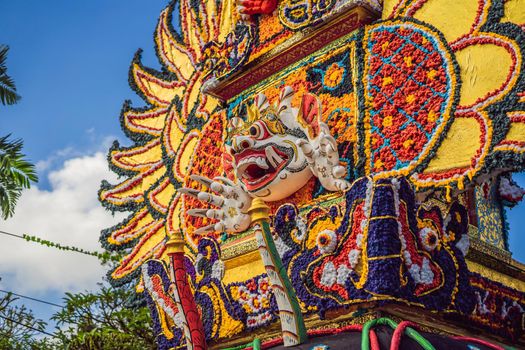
<point>486,126</point>
<point>179,132</point>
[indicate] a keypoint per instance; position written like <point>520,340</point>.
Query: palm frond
<point>8,94</point>
<point>9,195</point>
<point>3,57</point>
<point>16,173</point>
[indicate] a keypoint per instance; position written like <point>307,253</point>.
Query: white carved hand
<point>323,158</point>
<point>231,200</point>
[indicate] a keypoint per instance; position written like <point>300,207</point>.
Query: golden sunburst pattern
<point>485,41</point>
<point>173,137</point>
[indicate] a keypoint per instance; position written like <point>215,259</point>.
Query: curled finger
<point>189,191</point>
<point>219,188</point>
<point>324,128</point>
<point>329,143</point>
<point>224,180</point>
<point>215,214</point>
<point>198,212</point>
<point>211,199</point>
<point>219,227</point>
<point>307,149</point>
<point>341,185</point>
<point>202,180</point>
<point>339,171</point>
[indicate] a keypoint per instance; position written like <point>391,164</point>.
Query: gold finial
<point>175,244</point>
<point>259,211</point>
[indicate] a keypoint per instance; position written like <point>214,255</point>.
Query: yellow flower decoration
<point>475,46</point>
<point>334,75</point>
<point>172,134</point>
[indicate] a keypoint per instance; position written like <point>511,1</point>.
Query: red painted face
<point>266,158</point>
<point>259,166</point>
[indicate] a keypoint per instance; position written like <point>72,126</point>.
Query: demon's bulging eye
<point>259,131</point>
<point>255,130</point>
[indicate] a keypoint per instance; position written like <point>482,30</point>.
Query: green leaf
<point>8,94</point>
<point>16,174</point>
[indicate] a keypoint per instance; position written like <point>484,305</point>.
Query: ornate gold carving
<point>300,45</point>
<point>496,264</point>
<point>472,231</point>
<point>259,211</point>
<point>486,249</point>
<point>241,248</point>
<point>175,244</point>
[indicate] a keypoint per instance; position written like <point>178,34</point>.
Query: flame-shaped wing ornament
<point>173,136</point>
<point>448,101</point>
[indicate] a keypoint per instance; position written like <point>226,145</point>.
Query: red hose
<point>374,341</point>
<point>479,341</point>
<point>399,332</point>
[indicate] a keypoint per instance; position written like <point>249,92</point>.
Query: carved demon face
<point>266,158</point>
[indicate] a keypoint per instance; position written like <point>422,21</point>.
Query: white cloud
<point>69,213</point>
<point>97,143</point>
<point>46,164</point>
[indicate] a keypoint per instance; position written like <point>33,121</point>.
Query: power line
<point>30,298</point>
<point>11,234</point>
<point>47,302</point>
<point>27,326</point>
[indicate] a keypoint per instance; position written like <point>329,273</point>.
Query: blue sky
<point>70,62</point>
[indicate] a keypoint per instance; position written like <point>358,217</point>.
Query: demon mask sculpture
<point>275,150</point>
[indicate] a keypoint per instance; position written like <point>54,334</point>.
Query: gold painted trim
<point>497,260</point>
<point>312,322</point>
<point>496,276</point>
<point>302,44</point>
<point>243,267</point>
<point>391,256</point>
<point>244,247</point>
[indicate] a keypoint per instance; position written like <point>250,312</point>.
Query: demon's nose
<point>241,143</point>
